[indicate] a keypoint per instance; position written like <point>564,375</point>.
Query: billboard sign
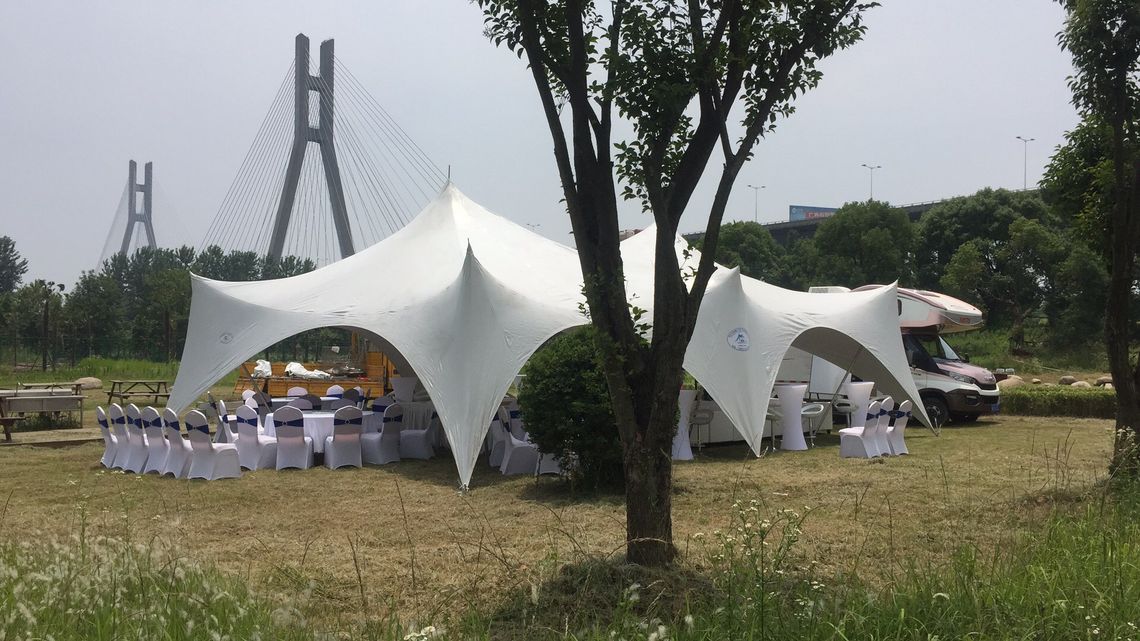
<point>807,212</point>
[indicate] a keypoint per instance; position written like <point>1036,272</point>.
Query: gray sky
<point>936,94</point>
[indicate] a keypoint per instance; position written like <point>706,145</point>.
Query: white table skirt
<point>319,424</point>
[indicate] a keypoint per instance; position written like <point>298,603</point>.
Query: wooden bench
<point>124,391</point>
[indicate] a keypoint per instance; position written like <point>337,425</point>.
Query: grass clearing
<point>400,543</point>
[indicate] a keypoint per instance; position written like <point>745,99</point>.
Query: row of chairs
<point>881,435</point>
<point>144,441</point>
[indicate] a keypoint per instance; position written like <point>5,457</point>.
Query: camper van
<point>952,389</point>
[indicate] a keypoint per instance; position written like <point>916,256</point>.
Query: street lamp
<point>755,200</point>
<point>872,169</point>
<point>1025,161</point>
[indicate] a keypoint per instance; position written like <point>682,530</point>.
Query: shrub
<point>568,412</point>
<point>1059,400</point>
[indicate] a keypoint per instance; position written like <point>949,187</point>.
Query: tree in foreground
<point>13,266</point>
<point>674,71</point>
<point>1104,39</point>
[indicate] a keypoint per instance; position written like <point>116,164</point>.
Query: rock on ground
<point>1104,380</point>
<point>89,382</point>
<point>1082,384</point>
<point>1067,380</point>
<point>1012,381</point>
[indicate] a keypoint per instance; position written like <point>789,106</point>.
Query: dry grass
<point>345,545</point>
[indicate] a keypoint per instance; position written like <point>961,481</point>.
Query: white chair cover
<point>122,435</point>
<point>855,442</point>
<point>157,447</point>
<point>343,447</point>
<point>255,451</point>
<point>417,443</point>
<point>247,394</point>
<point>338,403</point>
<point>380,448</point>
<point>886,407</point>
<point>110,442</point>
<point>210,461</point>
<point>895,432</point>
<point>404,387</point>
<point>294,449</point>
<point>296,391</point>
<point>178,460</point>
<point>519,456</point>
<point>335,391</point>
<point>136,458</point>
<point>225,432</point>
<point>548,464</point>
<point>498,438</point>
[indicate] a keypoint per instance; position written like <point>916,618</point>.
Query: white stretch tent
<point>464,297</point>
<point>745,327</point>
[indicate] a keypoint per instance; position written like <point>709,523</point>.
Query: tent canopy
<point>465,297</point>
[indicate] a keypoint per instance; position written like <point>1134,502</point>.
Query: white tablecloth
<point>281,401</point>
<point>319,424</point>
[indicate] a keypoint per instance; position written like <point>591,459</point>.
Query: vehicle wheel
<point>937,411</point>
<point>964,418</point>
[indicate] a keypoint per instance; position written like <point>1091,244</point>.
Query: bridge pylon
<point>304,133</point>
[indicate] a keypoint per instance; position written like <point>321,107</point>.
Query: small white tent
<point>745,327</point>
<point>464,297</point>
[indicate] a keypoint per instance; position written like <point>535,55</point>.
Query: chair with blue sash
<point>178,460</point>
<point>895,432</point>
<point>294,449</point>
<point>255,450</point>
<point>110,441</point>
<point>380,448</point>
<point>858,442</point>
<point>886,407</point>
<point>157,447</point>
<point>209,460</point>
<point>296,391</point>
<point>225,432</point>
<point>342,448</point>
<point>335,391</point>
<point>122,436</point>
<point>136,458</point>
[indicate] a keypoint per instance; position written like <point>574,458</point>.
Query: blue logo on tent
<point>738,339</point>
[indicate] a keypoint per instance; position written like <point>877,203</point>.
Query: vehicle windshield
<point>947,352</point>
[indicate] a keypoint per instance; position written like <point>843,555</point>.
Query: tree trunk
<point>1125,225</point>
<point>648,504</point>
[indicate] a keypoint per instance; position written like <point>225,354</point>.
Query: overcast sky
<point>936,94</point>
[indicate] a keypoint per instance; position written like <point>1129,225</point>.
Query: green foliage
<point>99,588</point>
<point>1059,400</point>
<point>986,215</point>
<point>863,243</point>
<point>12,266</point>
<point>750,247</point>
<point>568,412</point>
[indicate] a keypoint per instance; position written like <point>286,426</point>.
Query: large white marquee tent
<point>463,297</point>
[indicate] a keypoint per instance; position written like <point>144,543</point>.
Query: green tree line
<point>1028,259</point>
<point>134,306</point>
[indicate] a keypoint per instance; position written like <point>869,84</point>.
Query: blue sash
<point>516,413</point>
<point>352,421</point>
<point>172,425</point>
<point>398,419</point>
<point>102,422</point>
<point>248,421</point>
<point>341,395</point>
<point>297,422</point>
<point>871,416</point>
<point>201,428</point>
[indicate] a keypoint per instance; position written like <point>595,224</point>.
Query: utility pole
<point>322,135</point>
<point>1025,161</point>
<point>134,216</point>
<point>872,169</point>
<point>755,200</point>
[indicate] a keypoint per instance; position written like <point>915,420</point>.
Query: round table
<point>319,425</point>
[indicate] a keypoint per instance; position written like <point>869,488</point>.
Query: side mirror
<point>965,357</point>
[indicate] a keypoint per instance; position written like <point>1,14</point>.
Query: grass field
<point>399,542</point>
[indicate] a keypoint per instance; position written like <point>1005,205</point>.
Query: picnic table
<point>38,398</point>
<point>125,391</point>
